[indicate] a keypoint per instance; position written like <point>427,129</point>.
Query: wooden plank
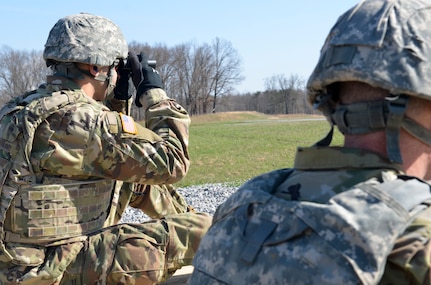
<point>180,277</point>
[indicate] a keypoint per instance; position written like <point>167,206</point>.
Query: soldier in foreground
<point>70,164</point>
<point>357,214</point>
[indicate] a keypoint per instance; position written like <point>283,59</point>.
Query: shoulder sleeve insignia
<point>128,124</point>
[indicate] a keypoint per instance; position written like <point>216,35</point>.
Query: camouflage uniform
<point>385,44</point>
<point>381,43</point>
<point>318,174</point>
<point>69,166</point>
<point>321,172</point>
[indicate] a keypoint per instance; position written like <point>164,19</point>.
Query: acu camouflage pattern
<point>385,44</point>
<point>87,39</point>
<point>56,136</point>
<point>304,225</point>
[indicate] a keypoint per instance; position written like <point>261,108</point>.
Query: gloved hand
<point>121,90</point>
<point>151,79</point>
<point>134,64</point>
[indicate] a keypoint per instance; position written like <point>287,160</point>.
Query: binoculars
<point>152,63</point>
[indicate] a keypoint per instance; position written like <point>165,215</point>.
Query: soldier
<point>373,81</point>
<point>70,164</point>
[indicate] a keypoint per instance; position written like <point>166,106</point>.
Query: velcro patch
<point>128,124</point>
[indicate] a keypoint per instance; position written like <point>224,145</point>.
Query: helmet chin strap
<point>416,130</point>
<point>111,84</point>
<point>71,70</point>
<point>107,79</point>
<point>67,69</point>
<point>366,117</point>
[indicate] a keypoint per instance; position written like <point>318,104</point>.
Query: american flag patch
<point>128,124</point>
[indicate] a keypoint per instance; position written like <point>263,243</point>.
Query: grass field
<point>233,147</point>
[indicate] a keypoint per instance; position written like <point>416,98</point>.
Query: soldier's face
<point>105,88</point>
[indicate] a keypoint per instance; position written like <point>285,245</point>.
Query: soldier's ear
<point>94,70</point>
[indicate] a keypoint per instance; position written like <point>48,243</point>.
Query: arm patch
<point>128,124</point>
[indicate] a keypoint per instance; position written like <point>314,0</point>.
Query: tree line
<point>201,77</point>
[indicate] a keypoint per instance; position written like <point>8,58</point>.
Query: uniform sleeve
<point>121,106</point>
<point>85,141</point>
<point>410,259</point>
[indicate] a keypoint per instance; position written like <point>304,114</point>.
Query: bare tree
<point>182,82</point>
<point>195,75</point>
<point>227,69</point>
<point>287,87</point>
<point>20,71</point>
<point>193,69</point>
<point>200,77</point>
<point>203,68</point>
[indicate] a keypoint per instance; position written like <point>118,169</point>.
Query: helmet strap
<point>71,70</point>
<point>416,130</point>
<point>324,103</point>
<point>397,108</point>
<point>365,117</point>
<point>326,141</point>
<point>111,84</point>
<point>108,79</point>
<point>100,77</point>
<point>67,69</point>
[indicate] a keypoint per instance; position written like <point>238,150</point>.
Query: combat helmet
<point>85,38</point>
<point>385,44</point>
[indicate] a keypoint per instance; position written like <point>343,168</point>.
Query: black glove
<point>121,90</point>
<point>151,79</point>
<point>134,63</point>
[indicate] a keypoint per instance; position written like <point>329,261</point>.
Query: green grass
<point>233,147</point>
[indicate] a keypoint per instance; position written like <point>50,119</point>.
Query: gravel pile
<point>204,198</point>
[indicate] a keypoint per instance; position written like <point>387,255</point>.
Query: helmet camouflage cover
<point>385,44</point>
<point>85,38</point>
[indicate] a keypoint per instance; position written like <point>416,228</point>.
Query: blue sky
<point>271,36</point>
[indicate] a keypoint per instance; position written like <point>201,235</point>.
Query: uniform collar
<point>61,83</point>
<point>325,158</point>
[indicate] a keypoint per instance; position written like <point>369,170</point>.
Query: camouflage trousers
<point>146,253</point>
